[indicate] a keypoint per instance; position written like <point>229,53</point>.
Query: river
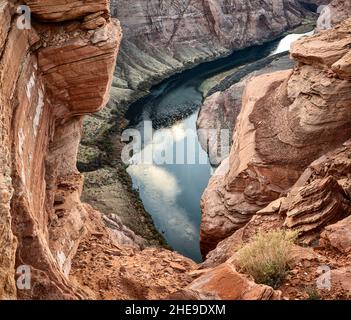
<point>171,193</point>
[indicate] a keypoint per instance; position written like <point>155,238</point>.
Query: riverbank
<point>108,186</point>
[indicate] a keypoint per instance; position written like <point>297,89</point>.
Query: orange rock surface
<point>50,75</point>
<point>288,120</point>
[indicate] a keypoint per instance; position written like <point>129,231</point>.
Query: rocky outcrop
<point>50,75</point>
<point>225,283</point>
<point>319,204</point>
<point>119,270</point>
<point>317,200</point>
<point>288,120</point>
<point>63,10</point>
<point>338,235</point>
<point>221,108</point>
<point>321,196</point>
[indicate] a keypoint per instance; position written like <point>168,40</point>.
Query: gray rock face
<point>170,23</point>
<point>161,37</point>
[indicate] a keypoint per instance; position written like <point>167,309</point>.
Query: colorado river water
<point>171,193</point>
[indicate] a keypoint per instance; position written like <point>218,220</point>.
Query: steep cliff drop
<point>261,171</point>
<point>294,118</point>
<point>162,38</point>
<point>51,75</point>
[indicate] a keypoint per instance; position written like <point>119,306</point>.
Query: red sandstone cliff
<point>288,119</point>
<point>289,168</point>
<point>291,120</point>
<point>50,75</point>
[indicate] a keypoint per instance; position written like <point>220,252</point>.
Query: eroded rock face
<point>321,197</point>
<point>284,125</point>
<point>63,10</point>
<point>221,109</point>
<point>338,235</point>
<point>317,204</point>
<point>163,37</point>
<point>340,10</point>
<point>123,270</point>
<point>50,75</point>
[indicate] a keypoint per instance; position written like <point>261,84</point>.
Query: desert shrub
<point>267,255</point>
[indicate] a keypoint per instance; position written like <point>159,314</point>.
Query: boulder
<point>225,283</point>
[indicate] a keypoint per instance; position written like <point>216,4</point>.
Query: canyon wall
<point>51,75</point>
<point>162,37</point>
<point>288,119</point>
<point>220,109</point>
<point>289,169</point>
<point>221,106</point>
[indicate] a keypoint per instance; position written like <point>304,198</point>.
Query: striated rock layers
<point>161,37</point>
<point>50,76</point>
<point>288,119</point>
<point>319,206</point>
<point>63,10</point>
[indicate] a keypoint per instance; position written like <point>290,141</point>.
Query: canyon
<point>162,38</point>
<point>260,171</point>
<point>67,208</point>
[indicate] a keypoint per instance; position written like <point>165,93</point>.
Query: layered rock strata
<point>164,37</point>
<point>51,75</point>
<point>336,11</point>
<point>288,119</point>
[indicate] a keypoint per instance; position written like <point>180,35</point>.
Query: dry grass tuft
<point>267,255</point>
